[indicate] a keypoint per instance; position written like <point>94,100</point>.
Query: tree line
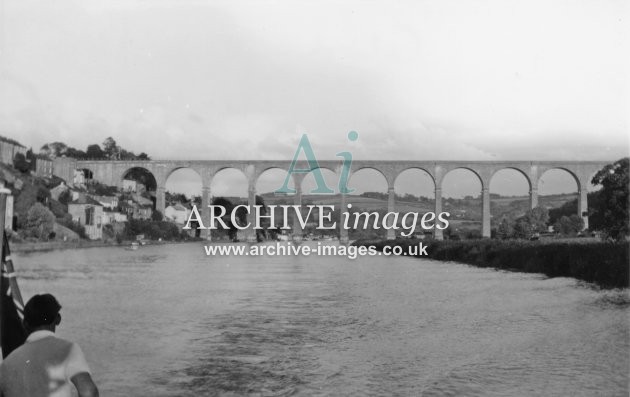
<point>607,212</point>
<point>108,150</point>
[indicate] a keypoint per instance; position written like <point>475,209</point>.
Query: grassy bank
<point>605,264</point>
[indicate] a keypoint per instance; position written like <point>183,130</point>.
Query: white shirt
<point>42,367</point>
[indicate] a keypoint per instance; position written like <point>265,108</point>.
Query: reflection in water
<point>169,321</point>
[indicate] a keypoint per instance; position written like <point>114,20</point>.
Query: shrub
<point>76,227</point>
<point>153,230</point>
<point>599,262</point>
<point>39,222</point>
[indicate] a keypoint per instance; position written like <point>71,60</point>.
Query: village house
<point>9,148</point>
<point>9,222</point>
<point>89,213</point>
<point>108,202</point>
<point>58,190</point>
<point>110,217</point>
<point>135,210</point>
<point>129,185</point>
<point>143,201</point>
<point>43,166</point>
<point>142,212</point>
<point>79,178</point>
<point>177,213</point>
<point>132,186</point>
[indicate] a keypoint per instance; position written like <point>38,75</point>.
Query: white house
<point>58,190</point>
<point>129,185</point>
<point>177,213</point>
<point>79,178</point>
<point>113,217</point>
<point>141,200</point>
<point>109,202</point>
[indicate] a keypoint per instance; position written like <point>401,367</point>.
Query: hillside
<point>27,190</point>
<point>464,209</point>
<point>465,213</point>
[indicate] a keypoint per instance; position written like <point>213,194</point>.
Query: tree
<point>95,152</point>
<point>196,200</point>
<point>569,225</point>
<point>241,215</point>
<point>20,163</point>
<point>175,198</point>
<point>143,156</point>
<point>534,221</point>
<point>522,228</point>
<point>261,234</point>
<point>31,159</point>
<point>65,197</point>
<point>39,222</point>
<point>54,149</point>
<point>42,195</point>
<point>125,155</point>
<point>110,147</point>
<point>77,154</point>
<point>505,229</point>
<point>157,216</point>
<point>613,206</point>
<point>537,219</point>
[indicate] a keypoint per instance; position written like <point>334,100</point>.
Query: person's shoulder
<point>50,345</point>
<point>11,363</point>
<point>13,356</point>
<point>57,340</point>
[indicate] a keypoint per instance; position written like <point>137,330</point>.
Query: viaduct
<point>112,172</point>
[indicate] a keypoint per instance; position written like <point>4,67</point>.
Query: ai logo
<point>313,166</point>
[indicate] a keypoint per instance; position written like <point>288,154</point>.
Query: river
<point>170,321</point>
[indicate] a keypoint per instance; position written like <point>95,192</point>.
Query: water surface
<point>170,321</point>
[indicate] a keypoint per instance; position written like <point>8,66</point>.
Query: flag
<point>12,330</point>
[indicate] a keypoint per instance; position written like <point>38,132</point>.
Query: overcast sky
<point>450,80</point>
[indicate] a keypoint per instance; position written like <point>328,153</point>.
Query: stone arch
<point>414,181</point>
<point>127,171</point>
<point>388,181</point>
<point>260,169</point>
<point>267,171</point>
<point>325,171</point>
<point>410,168</point>
<point>83,175</point>
<point>236,172</point>
<point>325,167</point>
<point>197,176</point>
<point>577,192</point>
<point>87,172</point>
<point>222,168</point>
<point>469,213</point>
<point>180,167</point>
<point>504,208</point>
<point>517,169</point>
<point>449,170</point>
<point>565,169</point>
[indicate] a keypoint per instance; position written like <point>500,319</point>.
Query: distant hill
<point>465,213</point>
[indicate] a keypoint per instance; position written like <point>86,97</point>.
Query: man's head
<point>42,312</point>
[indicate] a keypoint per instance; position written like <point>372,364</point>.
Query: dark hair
<point>41,310</point>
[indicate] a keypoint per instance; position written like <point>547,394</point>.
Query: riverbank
<point>26,247</point>
<point>605,264</point>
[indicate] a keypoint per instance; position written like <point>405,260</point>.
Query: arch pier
<point>111,173</point>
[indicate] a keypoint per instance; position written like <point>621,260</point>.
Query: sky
<point>426,80</point>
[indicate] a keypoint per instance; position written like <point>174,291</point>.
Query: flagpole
<point>4,193</point>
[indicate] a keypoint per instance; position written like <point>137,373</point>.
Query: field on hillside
<point>461,209</point>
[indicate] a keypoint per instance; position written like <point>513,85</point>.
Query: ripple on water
<point>169,321</point>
